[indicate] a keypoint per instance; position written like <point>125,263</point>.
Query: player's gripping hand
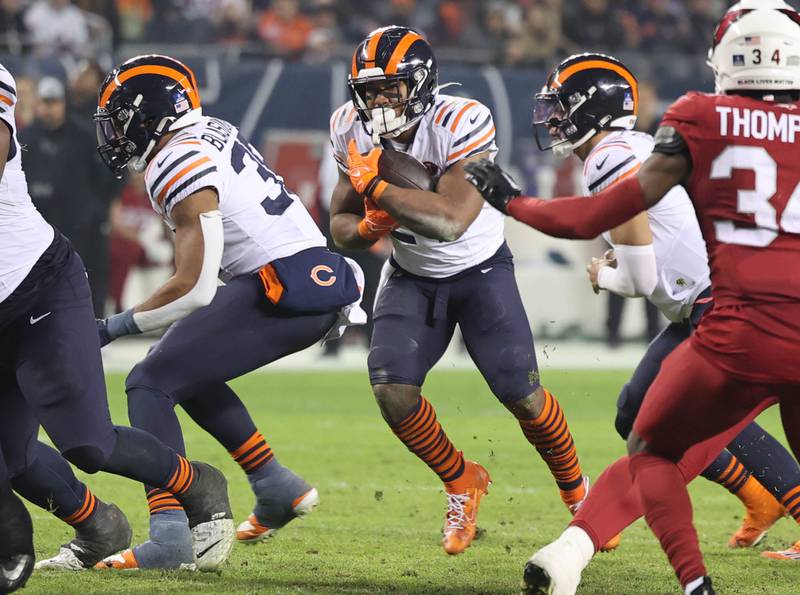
<point>494,184</point>
<point>363,171</point>
<point>593,268</point>
<point>376,223</point>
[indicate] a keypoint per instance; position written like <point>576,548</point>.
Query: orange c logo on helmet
<point>321,268</point>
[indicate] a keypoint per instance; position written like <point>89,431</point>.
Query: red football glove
<point>376,222</point>
<point>363,171</point>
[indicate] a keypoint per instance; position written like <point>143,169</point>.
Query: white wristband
<point>636,274</point>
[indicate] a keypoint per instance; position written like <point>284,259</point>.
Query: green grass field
<point>378,528</point>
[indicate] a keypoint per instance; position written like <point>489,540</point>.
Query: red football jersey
<point>745,186</point>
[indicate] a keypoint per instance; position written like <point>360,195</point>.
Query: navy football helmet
<point>138,102</point>
<point>585,94</point>
<point>392,55</point>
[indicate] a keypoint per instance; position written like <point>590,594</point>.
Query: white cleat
<point>556,568</point>
<point>252,531</point>
<point>65,559</point>
<point>212,543</point>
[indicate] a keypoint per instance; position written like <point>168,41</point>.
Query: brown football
<point>403,170</point>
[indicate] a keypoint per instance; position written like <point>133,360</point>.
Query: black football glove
<point>495,185</point>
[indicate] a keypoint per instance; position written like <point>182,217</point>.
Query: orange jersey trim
<point>468,148</point>
<point>445,108</point>
<point>461,114</point>
<point>6,100</point>
<point>179,175</point>
<point>400,51</point>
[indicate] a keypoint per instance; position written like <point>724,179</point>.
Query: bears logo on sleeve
<point>470,125</point>
<point>178,171</point>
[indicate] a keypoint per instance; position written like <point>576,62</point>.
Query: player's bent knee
<point>88,459</point>
<point>395,400</point>
<point>527,407</point>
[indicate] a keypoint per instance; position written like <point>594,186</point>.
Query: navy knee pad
<point>89,459</point>
<point>515,374</point>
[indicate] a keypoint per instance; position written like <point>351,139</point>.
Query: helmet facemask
<point>409,100</point>
<point>554,128</point>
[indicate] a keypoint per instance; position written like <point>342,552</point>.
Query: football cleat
<point>209,511</point>
<point>463,499</point>
<point>763,511</point>
<point>104,533</point>
<point>556,568</point>
<point>704,588</point>
<point>252,530</point>
<point>15,572</point>
<point>791,554</point>
<point>574,499</point>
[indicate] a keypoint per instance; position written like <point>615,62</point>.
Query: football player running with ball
<point>735,154</point>
<point>450,266</point>
<point>588,107</point>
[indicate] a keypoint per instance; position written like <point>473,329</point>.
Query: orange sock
<point>424,436</point>
<point>181,478</point>
<point>159,500</point>
<point>253,454</point>
<point>734,477</point>
<point>85,511</point>
<point>791,502</point>
<point>551,437</point>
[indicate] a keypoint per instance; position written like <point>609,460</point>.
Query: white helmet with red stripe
<point>757,47</point>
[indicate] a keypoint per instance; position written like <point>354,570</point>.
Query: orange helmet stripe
<point>372,48</point>
<point>581,66</point>
<point>194,98</point>
<point>354,68</point>
<point>400,51</point>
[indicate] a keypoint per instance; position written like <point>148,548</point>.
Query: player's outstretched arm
<point>442,215</point>
<point>582,217</point>
<point>199,242</point>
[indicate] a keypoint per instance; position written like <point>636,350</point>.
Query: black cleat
<point>535,580</point>
<point>14,572</point>
<point>105,533</point>
<point>705,588</point>
<point>210,518</point>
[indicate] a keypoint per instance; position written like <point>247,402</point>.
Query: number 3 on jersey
<point>756,201</point>
<point>278,198</point>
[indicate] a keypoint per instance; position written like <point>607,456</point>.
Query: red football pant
<point>692,411</point>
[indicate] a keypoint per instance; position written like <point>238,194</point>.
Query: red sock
<point>612,505</point>
<point>668,512</point>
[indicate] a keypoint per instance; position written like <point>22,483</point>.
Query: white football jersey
<point>681,257</point>
<point>453,129</point>
<point>262,219</point>
<point>24,234</point>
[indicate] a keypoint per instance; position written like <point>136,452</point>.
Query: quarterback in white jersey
<point>450,266</point>
<point>588,107</point>
<point>283,291</point>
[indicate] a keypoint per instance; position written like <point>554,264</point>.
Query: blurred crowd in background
<point>509,32</point>
<point>111,222</point>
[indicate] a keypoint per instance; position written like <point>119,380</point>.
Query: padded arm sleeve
<point>203,291</point>
<point>636,274</point>
<point>582,217</point>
